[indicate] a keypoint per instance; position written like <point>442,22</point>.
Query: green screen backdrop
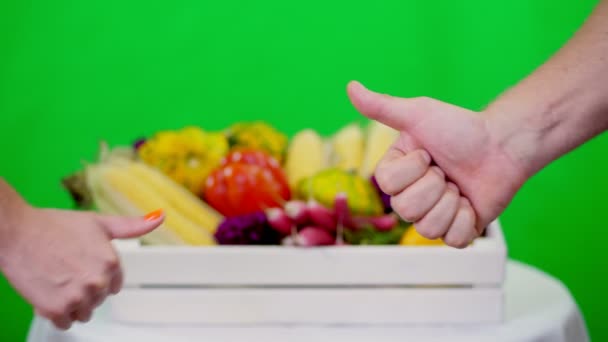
<point>75,72</point>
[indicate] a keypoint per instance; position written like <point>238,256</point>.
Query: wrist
<point>519,134</point>
<point>534,130</point>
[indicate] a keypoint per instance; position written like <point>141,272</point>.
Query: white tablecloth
<point>538,308</point>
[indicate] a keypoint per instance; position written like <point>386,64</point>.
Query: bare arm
<point>563,104</point>
<point>482,159</point>
<point>12,207</point>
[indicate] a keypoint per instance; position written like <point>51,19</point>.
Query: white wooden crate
<point>327,285</point>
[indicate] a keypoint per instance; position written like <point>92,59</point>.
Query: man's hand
<point>447,172</point>
<point>63,262</point>
<point>479,160</point>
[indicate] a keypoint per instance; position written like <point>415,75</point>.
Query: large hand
<point>473,178</point>
<point>63,262</point>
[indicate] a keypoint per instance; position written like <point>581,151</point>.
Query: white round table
<point>538,308</point>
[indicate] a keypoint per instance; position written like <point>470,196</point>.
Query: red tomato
<point>246,181</point>
<point>256,157</point>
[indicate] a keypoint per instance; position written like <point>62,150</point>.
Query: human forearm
<point>562,104</point>
<point>12,207</point>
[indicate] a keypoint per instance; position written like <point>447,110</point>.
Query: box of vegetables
<point>265,228</point>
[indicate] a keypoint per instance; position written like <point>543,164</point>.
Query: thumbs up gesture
<point>63,261</point>
<point>448,172</point>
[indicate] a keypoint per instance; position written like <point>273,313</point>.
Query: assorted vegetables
<point>261,188</point>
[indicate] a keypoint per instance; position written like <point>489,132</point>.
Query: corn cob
<point>178,197</point>
<point>379,138</point>
<point>347,148</point>
<point>117,189</point>
<point>305,156</point>
<point>163,235</point>
<point>112,202</point>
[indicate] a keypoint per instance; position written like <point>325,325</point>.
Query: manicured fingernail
<point>154,215</point>
<point>426,156</point>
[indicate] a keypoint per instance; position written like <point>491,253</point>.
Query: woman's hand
<point>63,261</point>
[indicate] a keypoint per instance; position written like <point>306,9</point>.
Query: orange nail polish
<point>154,215</point>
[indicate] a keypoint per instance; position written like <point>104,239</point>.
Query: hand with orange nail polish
<point>63,261</point>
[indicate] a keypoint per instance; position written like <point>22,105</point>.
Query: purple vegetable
<point>386,199</point>
<point>248,229</point>
<point>137,144</point>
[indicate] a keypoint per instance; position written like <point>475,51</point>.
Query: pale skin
<point>61,261</point>
<point>452,170</point>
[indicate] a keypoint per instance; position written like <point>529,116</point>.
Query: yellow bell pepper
<point>411,237</point>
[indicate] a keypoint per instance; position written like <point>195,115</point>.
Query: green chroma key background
<point>75,72</point>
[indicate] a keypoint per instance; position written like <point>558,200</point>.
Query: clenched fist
<point>63,261</point>
<point>448,171</point>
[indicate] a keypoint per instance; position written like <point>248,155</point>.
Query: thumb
<point>119,227</point>
<point>391,111</point>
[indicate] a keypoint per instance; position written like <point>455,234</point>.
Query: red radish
<point>341,208</point>
<point>342,213</point>
<point>380,223</point>
<point>323,217</point>
<point>279,221</point>
<point>309,237</point>
<point>384,222</point>
<point>345,219</point>
<point>297,211</point>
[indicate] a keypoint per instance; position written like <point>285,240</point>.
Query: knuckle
<point>386,181</point>
<point>111,263</point>
<point>420,160</point>
<point>429,231</point>
<point>52,313</point>
<point>62,324</point>
<point>405,211</point>
<point>456,241</point>
<point>85,315</point>
<point>95,284</point>
<point>71,302</point>
<point>382,176</point>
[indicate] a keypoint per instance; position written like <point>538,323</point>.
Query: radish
<point>309,237</point>
<point>381,223</point>
<point>297,211</point>
<point>279,221</point>
<point>341,208</point>
<point>323,217</point>
<point>385,222</point>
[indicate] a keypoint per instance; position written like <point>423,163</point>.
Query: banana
<point>129,187</point>
<point>305,156</point>
<point>379,138</point>
<point>347,148</point>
